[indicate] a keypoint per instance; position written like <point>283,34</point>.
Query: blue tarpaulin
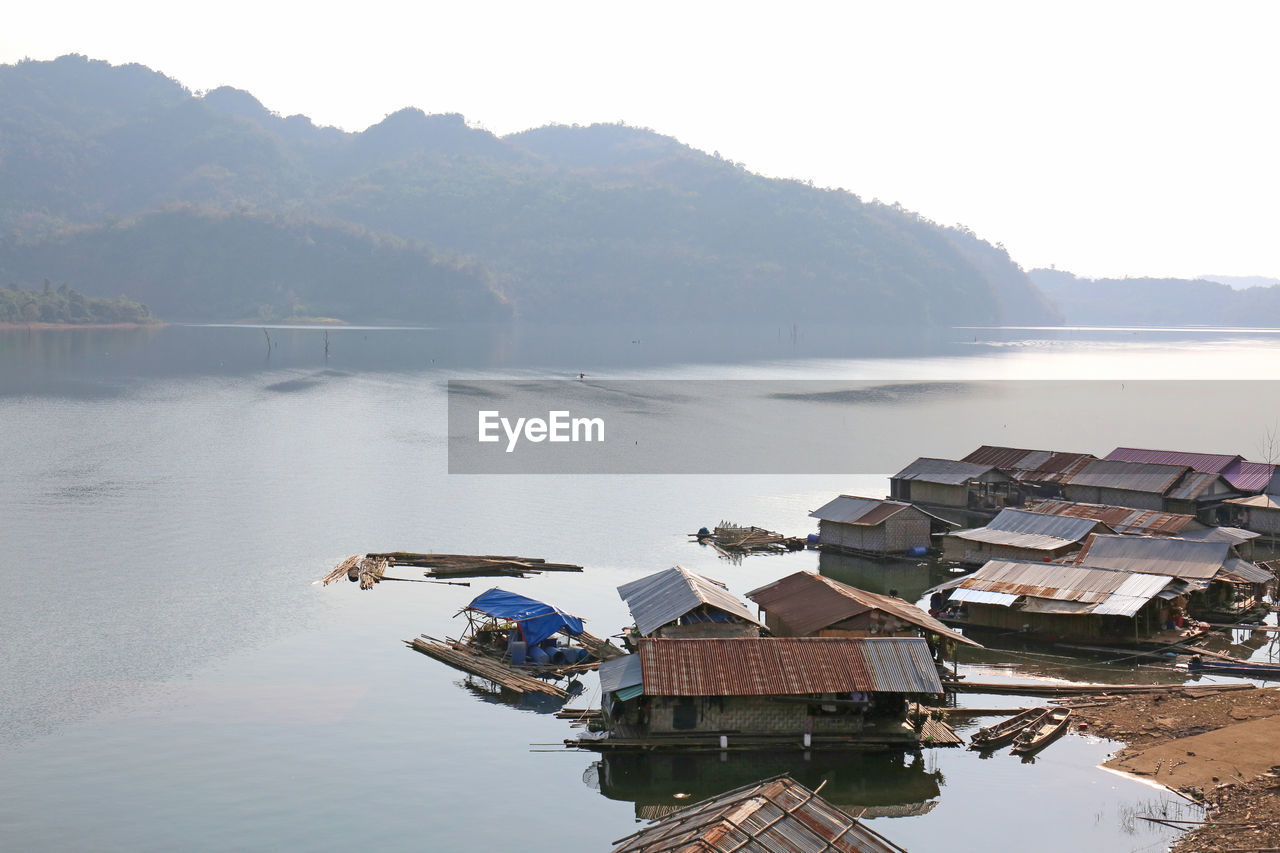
<point>537,621</point>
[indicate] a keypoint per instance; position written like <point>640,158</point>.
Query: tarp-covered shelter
<point>537,621</point>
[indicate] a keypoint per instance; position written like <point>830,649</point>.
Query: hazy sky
<point>1117,138</point>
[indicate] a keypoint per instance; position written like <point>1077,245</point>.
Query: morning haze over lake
<point>249,329</point>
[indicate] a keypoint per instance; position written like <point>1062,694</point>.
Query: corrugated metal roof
<point>1195,484</point>
<point>1023,521</point>
<point>773,816</point>
<point>1246,571</point>
<point>1130,476</point>
<point>945,471</point>
<point>619,672</point>
<point>1181,558</point>
<point>1098,591</point>
<point>1032,466</point>
<point>1246,476</point>
<point>663,597</point>
<point>1029,541</point>
<point>1234,535</point>
<point>1256,501</point>
<point>984,596</point>
<point>787,666</point>
<point>1001,457</point>
<point>1214,463</point>
<point>1121,519</point>
<point>807,603</point>
<point>848,509</point>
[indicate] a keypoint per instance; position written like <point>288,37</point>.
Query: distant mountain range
<point>118,181</point>
<point>1158,301</point>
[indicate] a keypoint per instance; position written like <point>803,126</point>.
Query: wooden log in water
<point>485,667</point>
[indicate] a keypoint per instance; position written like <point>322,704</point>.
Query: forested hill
<point>208,206</point>
<point>1158,301</point>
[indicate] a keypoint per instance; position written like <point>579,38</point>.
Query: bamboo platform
<point>600,649</point>
<point>370,569</point>
<point>732,540</point>
<point>504,675</point>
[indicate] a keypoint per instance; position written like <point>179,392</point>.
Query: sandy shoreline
<point>1219,750</point>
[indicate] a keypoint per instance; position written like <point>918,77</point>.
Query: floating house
<point>1051,601</point>
<point>1016,534</point>
<point>1141,485</point>
<point>809,605</point>
<point>1220,583</point>
<point>1124,519</point>
<point>1040,472</point>
<point>1259,513</point>
<point>776,815</point>
<point>958,491</point>
<point>839,692</point>
<point>678,603</point>
<point>859,525</point>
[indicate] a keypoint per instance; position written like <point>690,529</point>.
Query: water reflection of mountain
<point>538,703</point>
<point>877,784</point>
<point>905,578</point>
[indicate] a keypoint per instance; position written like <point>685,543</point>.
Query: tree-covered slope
<point>599,223</point>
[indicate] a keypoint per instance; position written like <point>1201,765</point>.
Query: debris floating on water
<point>369,569</point>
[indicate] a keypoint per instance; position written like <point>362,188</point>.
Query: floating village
<point>1146,555</point>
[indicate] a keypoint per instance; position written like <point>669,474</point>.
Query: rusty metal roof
<point>849,509</point>
<point>1129,476</point>
<point>1091,590</point>
<point>1033,466</point>
<point>1214,463</point>
<point>787,666</point>
<point>776,815</point>
<point>807,603</point>
<point>947,471</point>
<point>1246,476</point>
<point>1182,558</point>
<point>1121,519</point>
<point>663,597</point>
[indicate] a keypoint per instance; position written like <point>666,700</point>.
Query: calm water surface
<point>173,678</point>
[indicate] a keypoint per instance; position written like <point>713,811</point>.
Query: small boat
<point>1051,724</point>
<point>1006,730</point>
<point>1246,668</point>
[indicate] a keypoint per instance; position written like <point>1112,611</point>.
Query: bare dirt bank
<point>1223,750</point>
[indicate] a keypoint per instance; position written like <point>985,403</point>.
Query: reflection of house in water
<point>1016,534</point>
<point>677,603</point>
<point>881,784</point>
<point>776,815</point>
<point>907,579</point>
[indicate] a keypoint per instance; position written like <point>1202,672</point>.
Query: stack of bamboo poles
<point>600,649</point>
<point>460,657</point>
<point>370,569</point>
<point>732,540</point>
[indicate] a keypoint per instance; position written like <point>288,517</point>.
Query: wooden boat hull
<point>1006,730</point>
<point>1039,734</point>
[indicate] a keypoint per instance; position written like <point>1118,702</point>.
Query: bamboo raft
<point>732,540</point>
<point>370,569</point>
<point>504,675</point>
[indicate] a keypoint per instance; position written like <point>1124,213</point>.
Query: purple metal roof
<point>1212,463</point>
<point>1246,476</point>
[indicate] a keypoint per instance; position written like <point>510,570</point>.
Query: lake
<point>174,678</point>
